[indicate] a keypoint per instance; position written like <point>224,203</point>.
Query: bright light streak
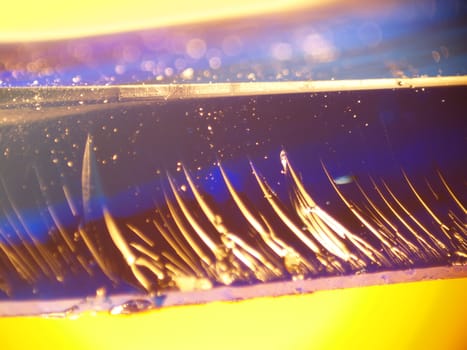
<point>25,20</point>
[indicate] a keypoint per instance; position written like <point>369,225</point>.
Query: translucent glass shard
<point>152,202</point>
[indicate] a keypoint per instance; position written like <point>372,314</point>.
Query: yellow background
<point>28,20</point>
<point>421,315</point>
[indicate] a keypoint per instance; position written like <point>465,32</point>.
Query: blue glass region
<point>385,132</point>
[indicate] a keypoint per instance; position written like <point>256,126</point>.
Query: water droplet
<point>131,307</point>
<point>188,73</point>
<point>101,292</point>
<point>343,180</point>
<point>120,69</point>
<point>168,71</point>
<point>196,48</point>
<point>215,62</point>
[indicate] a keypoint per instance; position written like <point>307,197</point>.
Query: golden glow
<point>421,315</point>
<point>29,20</point>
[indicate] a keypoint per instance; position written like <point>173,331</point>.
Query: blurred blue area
<point>406,39</point>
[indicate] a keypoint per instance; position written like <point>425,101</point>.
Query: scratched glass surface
<point>144,191</point>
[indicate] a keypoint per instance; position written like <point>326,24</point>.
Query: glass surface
<point>261,157</point>
<point>105,193</point>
